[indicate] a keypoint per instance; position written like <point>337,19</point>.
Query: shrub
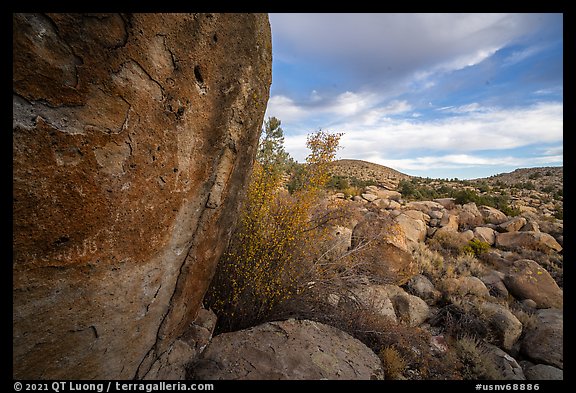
<point>476,363</point>
<point>476,247</point>
<point>393,362</point>
<point>277,238</point>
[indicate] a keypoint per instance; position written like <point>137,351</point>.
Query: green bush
<point>476,247</point>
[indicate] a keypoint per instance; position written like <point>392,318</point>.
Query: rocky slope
<point>476,293</point>
<point>367,171</point>
<point>133,137</point>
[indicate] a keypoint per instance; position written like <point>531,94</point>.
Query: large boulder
<point>133,139</point>
<point>485,234</point>
<point>512,225</point>
<point>422,287</point>
<point>292,349</point>
<point>526,279</point>
<point>381,247</point>
<point>507,366</point>
<point>492,215</point>
<point>464,286</point>
<point>544,343</point>
<point>469,216</point>
<point>531,240</point>
<point>505,326</point>
<point>539,372</point>
<point>410,309</point>
<point>414,228</point>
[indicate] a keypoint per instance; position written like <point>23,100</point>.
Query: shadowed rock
<point>133,138</point>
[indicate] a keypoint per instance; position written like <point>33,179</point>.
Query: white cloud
<point>382,139</point>
<point>399,49</point>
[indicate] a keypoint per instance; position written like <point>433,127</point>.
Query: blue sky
<point>438,95</point>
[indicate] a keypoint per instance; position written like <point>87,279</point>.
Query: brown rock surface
<point>538,241</point>
<point>526,279</point>
<point>382,250</point>
<point>292,349</point>
<point>133,137</point>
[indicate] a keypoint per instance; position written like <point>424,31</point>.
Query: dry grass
<point>475,362</point>
<point>394,364</point>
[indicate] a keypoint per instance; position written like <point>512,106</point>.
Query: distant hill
<point>540,177</point>
<point>368,171</point>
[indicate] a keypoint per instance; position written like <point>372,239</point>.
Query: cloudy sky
<point>438,95</point>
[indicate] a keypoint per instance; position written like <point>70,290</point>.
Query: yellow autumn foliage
<point>278,234</point>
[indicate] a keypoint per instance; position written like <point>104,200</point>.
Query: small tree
<point>266,258</point>
<point>271,154</point>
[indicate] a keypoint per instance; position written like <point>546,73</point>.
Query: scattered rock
<point>467,235</point>
<point>447,203</point>
<point>526,279</point>
<point>531,226</point>
<point>386,255</point>
<point>369,197</point>
<point>449,222</point>
<point>495,284</point>
<point>424,206</point>
<point>544,343</point>
<point>358,198</point>
<point>377,299</point>
<point>292,349</point>
<point>339,240</point>
<point>410,309</point>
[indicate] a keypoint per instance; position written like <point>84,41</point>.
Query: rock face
<point>292,349</point>
<point>133,137</point>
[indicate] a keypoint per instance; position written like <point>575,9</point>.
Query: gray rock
<point>292,349</point>
<point>506,365</point>
<point>506,327</point>
<point>543,372</point>
<point>422,287</point>
<point>464,286</point>
<point>544,343</point>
